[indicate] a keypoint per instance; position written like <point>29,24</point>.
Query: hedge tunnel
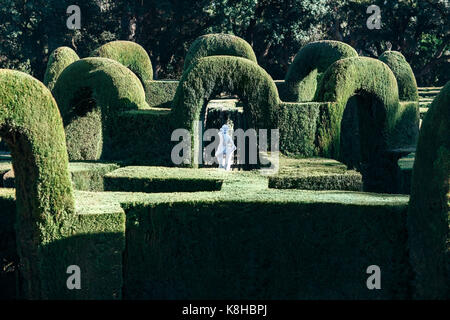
<point>90,94</point>
<point>59,59</point>
<point>308,67</point>
<point>362,118</point>
<point>131,55</point>
<point>218,44</point>
<point>31,125</point>
<point>429,207</point>
<point>407,85</point>
<point>210,76</point>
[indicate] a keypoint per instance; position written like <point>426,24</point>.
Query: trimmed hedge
<point>212,75</point>
<point>163,179</point>
<point>374,84</point>
<point>59,59</point>
<point>309,64</point>
<point>407,85</point>
<point>31,125</point>
<point>315,174</point>
<point>160,94</point>
<point>298,124</point>
<point>265,245</point>
<point>90,94</point>
<point>218,44</point>
<point>147,138</point>
<point>131,55</point>
<point>429,208</point>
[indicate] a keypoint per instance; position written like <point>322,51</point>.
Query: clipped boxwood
<point>218,44</point>
<point>210,76</point>
<point>429,208</point>
<point>90,94</point>
<point>407,85</point>
<point>59,59</point>
<point>131,55</point>
<point>160,93</point>
<point>308,67</point>
<point>31,125</point>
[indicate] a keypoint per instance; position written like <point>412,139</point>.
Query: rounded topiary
<point>90,93</point>
<point>210,76</point>
<point>407,85</point>
<point>218,44</point>
<point>309,65</point>
<point>59,59</point>
<point>31,125</point>
<point>346,78</point>
<point>429,207</point>
<point>131,55</point>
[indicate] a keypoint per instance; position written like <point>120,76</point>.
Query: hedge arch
<point>131,55</point>
<point>407,85</point>
<point>308,67</point>
<point>365,96</point>
<point>90,94</point>
<point>31,125</point>
<point>59,59</point>
<point>210,76</point>
<point>217,44</point>
<point>429,207</point>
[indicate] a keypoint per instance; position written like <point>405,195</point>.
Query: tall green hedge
<point>210,76</point>
<point>407,85</point>
<point>31,125</point>
<point>218,44</point>
<point>90,94</point>
<point>59,59</point>
<point>429,208</point>
<point>131,55</point>
<point>307,69</point>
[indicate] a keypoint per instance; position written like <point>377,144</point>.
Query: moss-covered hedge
<point>131,55</point>
<point>429,208</point>
<point>90,94</point>
<point>59,59</point>
<point>407,85</point>
<point>218,44</point>
<point>210,76</point>
<point>160,93</point>
<point>31,125</point>
<point>309,64</point>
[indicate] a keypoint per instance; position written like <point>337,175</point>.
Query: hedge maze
<point>91,181</point>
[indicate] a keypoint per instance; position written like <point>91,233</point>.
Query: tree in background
<point>277,29</point>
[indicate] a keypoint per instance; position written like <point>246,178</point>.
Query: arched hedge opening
<point>429,206</point>
<point>309,64</point>
<point>210,76</point>
<point>131,55</point>
<point>407,85</point>
<point>90,94</point>
<point>218,44</point>
<point>59,59</point>
<point>377,109</point>
<point>31,125</point>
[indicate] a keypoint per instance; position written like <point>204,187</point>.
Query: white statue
<point>225,150</point>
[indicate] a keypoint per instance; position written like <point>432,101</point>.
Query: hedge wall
<point>218,44</point>
<point>429,208</point>
<point>407,85</point>
<point>266,245</point>
<point>131,55</point>
<point>90,94</point>
<point>160,93</point>
<point>309,64</point>
<point>59,59</point>
<point>210,76</point>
